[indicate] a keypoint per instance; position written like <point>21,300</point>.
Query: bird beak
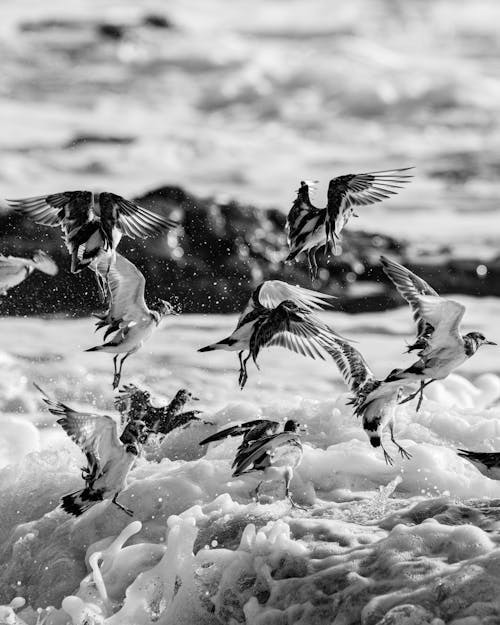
<point>302,428</point>
<point>195,398</point>
<point>490,343</point>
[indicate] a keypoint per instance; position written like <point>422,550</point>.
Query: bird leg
<point>116,502</point>
<point>313,266</point>
<point>388,459</point>
<point>288,479</point>
<point>103,296</point>
<point>118,374</point>
<point>243,377</point>
<point>419,392</point>
<point>254,494</point>
<point>404,454</point>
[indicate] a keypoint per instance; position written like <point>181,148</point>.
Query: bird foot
<point>388,459</point>
<point>295,504</point>
<point>126,510</point>
<point>404,454</point>
<point>242,380</point>
<point>116,381</point>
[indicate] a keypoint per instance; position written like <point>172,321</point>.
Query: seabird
<point>310,228</point>
<point>15,270</point>
<point>251,431</point>
<point>440,346</point>
<point>278,314</point>
<point>487,463</point>
<point>128,315</point>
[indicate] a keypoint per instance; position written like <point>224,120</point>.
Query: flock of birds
<point>276,314</point>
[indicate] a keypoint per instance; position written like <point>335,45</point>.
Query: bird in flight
<point>310,228</point>
<point>487,463</point>
<point>91,222</point>
<point>375,401</point>
<point>14,270</point>
<point>128,315</point>
<point>440,346</point>
<point>109,456</point>
<point>275,456</point>
<point>278,314</point>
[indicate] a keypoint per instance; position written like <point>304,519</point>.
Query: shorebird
<point>109,456</point>
<point>251,431</point>
<point>134,404</point>
<point>441,347</point>
<point>278,314</point>
<point>487,463</point>
<point>276,456</point>
<point>128,315</point>
<point>14,270</point>
<point>310,228</point>
<point>91,222</point>
<point>374,400</point>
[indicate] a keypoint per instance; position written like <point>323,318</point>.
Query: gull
<point>251,431</point>
<point>134,404</point>
<point>310,228</point>
<point>276,456</point>
<point>441,347</point>
<point>109,456</point>
<point>91,222</point>
<point>374,400</point>
<point>278,314</point>
<point>487,463</point>
<point>128,315</point>
<point>14,270</point>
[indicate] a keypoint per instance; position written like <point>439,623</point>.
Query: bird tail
<point>219,345</point>
<point>371,427</point>
<point>80,501</point>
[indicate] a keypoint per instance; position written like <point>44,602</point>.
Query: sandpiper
<point>109,456</point>
<point>310,228</point>
<point>278,314</point>
<point>14,270</point>
<point>487,463</point>
<point>128,315</point>
<point>441,347</point>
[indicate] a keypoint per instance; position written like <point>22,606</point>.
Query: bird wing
<point>262,447</point>
<point>126,289</point>
<point>95,435</point>
<point>43,262</point>
<point>50,210</point>
<point>489,459</point>
<point>239,430</point>
<point>352,365</point>
<point>133,220</point>
<point>444,316</point>
<point>411,288</point>
<point>346,192</point>
<point>302,209</point>
<point>12,272</point>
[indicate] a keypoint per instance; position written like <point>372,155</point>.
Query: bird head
<point>479,339</point>
<point>132,398</point>
<point>306,187</point>
<point>165,308</point>
<point>292,309</point>
<point>184,395</point>
<point>293,426</point>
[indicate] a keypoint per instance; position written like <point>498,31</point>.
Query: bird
<point>374,400</point>
<point>134,403</point>
<point>276,456</point>
<point>278,314</point>
<point>440,346</point>
<point>91,222</point>
<point>128,316</point>
<point>310,228</point>
<point>109,456</point>
<point>251,431</point>
<point>487,463</point>
<point>14,270</point>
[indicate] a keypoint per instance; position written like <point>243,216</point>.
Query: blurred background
<point>213,111</point>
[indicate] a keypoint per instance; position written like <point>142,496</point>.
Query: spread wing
<point>352,365</point>
<point>43,262</point>
<point>50,210</point>
<point>302,210</point>
<point>133,220</point>
<point>347,192</point>
<point>256,428</point>
<point>266,446</point>
<point>438,319</point>
<point>12,272</point>
<point>95,435</point>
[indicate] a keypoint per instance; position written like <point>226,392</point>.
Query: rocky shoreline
<point>218,255</point>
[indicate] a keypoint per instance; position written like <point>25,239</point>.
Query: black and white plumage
<point>278,314</point>
<point>310,228</point>
<point>91,222</point>
<point>275,456</point>
<point>110,456</point>
<point>375,401</point>
<point>251,431</point>
<point>441,347</point>
<point>487,463</point>
<point>14,270</point>
<point>128,315</point>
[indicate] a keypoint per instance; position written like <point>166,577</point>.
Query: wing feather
<point>264,446</point>
<point>352,365</point>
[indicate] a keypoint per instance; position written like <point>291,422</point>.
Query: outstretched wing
<point>133,220</point>
<point>352,365</point>
<point>351,190</point>
<point>266,446</point>
<point>242,429</point>
<point>438,319</point>
<point>95,435</point>
<point>51,210</point>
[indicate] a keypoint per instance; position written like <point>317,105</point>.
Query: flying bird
<point>375,401</point>
<point>487,463</point>
<point>109,456</point>
<point>14,270</point>
<point>128,315</point>
<point>440,346</point>
<point>310,228</point>
<point>275,456</point>
<point>278,314</point>
<point>135,404</point>
<point>91,222</point>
